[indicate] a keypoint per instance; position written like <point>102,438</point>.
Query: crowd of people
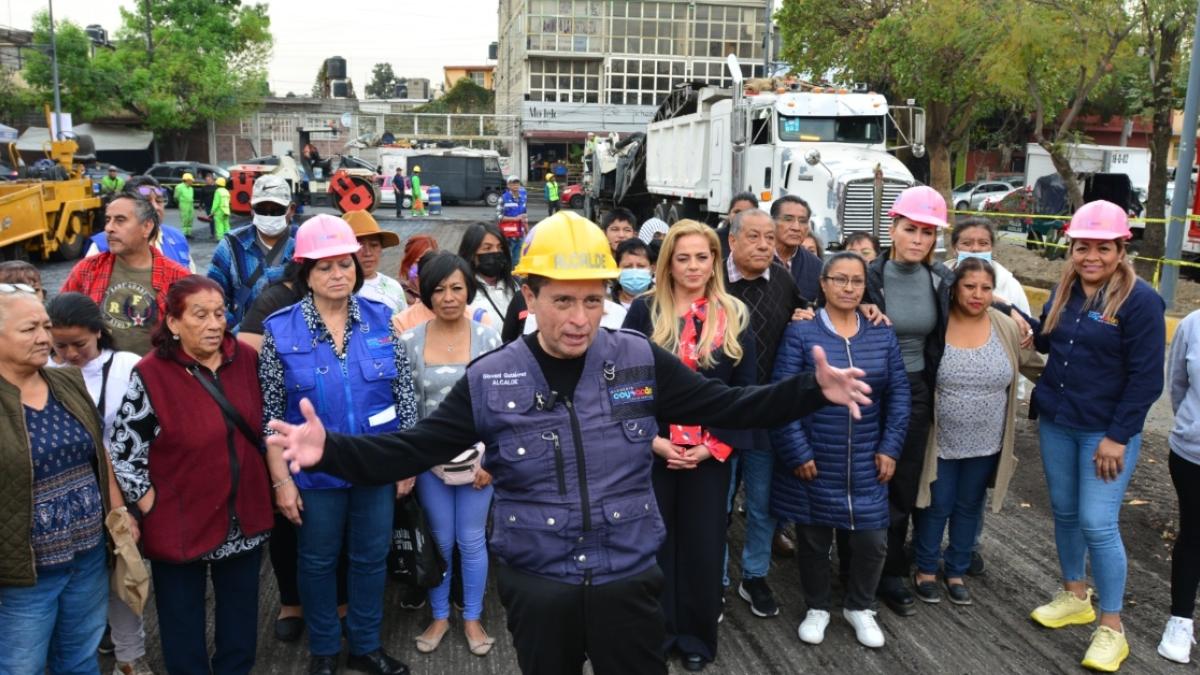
<point>863,401</point>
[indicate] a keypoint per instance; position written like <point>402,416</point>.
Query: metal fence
<point>349,133</point>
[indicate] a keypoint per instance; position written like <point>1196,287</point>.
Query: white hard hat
<point>514,179</point>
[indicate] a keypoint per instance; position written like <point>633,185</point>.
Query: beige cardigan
<point>1025,362</point>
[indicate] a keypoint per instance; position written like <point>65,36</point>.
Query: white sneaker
<point>812,629</point>
<point>866,629</point>
<point>1177,640</point>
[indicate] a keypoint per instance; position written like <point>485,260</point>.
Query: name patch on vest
<point>379,342</point>
<point>504,379</point>
<point>631,393</point>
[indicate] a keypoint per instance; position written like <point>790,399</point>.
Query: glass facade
<point>634,52</point>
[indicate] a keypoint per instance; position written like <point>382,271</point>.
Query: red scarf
<point>689,340</point>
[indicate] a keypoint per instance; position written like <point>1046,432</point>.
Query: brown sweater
<point>17,565</point>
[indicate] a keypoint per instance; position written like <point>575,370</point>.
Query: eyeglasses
<point>846,282</point>
<point>148,190</point>
<point>17,288</point>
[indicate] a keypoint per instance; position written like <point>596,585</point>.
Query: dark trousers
<point>283,551</point>
<point>617,626</point>
<point>867,547</point>
<point>399,205</point>
<point>179,598</point>
<point>552,208</point>
<point>906,482</point>
<point>692,556</point>
<point>1185,559</point>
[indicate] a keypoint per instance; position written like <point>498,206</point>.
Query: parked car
<point>170,174</point>
<point>7,172</point>
<point>970,196</point>
<point>1019,200</point>
<point>572,196</point>
<point>98,170</point>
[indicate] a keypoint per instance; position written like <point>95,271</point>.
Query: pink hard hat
<point>1099,220</point>
<point>325,236</point>
<point>922,205</point>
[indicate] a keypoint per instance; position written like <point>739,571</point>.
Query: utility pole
<point>58,130</point>
<point>1176,224</point>
<point>149,34</point>
<point>768,40</point>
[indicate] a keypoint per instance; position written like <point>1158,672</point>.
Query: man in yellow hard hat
<point>552,195</point>
<point>185,199</point>
<point>220,210</point>
<point>568,414</point>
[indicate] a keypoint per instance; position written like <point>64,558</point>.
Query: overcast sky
<point>417,38</point>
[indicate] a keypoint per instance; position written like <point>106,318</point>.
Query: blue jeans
<point>59,621</point>
<point>958,496</point>
<point>1086,509</point>
<point>361,518</point>
<point>458,515</point>
<point>179,591</point>
<point>757,466</point>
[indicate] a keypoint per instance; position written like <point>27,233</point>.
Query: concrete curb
<point>1039,296</point>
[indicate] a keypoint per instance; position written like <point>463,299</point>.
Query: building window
<point>643,81</point>
<point>479,77</point>
<point>564,80</point>
<point>721,31</point>
<point>564,25</point>
<point>648,28</point>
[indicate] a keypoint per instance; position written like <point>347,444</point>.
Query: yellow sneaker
<point>1108,649</point>
<point>1065,610</point>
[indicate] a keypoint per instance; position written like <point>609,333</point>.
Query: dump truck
<point>833,147</point>
<point>50,212</point>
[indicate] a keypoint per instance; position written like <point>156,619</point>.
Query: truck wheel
<point>576,202</point>
<point>492,199</point>
<point>673,215</point>
<point>75,243</point>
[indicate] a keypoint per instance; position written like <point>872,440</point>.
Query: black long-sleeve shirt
<point>682,397</point>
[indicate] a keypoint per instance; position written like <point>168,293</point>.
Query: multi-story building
<point>569,67</point>
<point>480,75</point>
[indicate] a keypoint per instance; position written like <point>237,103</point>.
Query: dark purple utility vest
<point>573,499</point>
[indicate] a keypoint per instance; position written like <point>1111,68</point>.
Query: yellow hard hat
<point>416,169</point>
<point>188,176</point>
<point>220,182</point>
<point>568,247</point>
<point>549,176</point>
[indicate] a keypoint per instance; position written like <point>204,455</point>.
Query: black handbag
<point>414,558</point>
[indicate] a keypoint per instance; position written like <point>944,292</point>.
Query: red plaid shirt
<point>91,276</point>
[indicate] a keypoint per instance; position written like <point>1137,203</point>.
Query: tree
<point>1058,51</point>
<point>463,98</point>
<point>1162,26</point>
<point>208,62</point>
<point>84,89</point>
<point>16,101</point>
<point>935,51</point>
<point>383,81</point>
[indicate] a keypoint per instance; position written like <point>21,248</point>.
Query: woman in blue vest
<point>833,471</point>
<point>339,351</point>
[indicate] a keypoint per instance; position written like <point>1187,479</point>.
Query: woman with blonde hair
<point>1105,334</point>
<point>689,313</point>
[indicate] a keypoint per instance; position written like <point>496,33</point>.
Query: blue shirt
<point>174,245</point>
<point>1102,375</point>
<point>67,509</point>
<point>513,207</point>
<point>232,267</point>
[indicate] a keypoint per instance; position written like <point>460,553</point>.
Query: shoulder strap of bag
<point>104,384</point>
<point>226,407</point>
<point>272,255</point>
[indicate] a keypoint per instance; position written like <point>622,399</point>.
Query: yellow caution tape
<point>1001,214</point>
<point>1158,262</point>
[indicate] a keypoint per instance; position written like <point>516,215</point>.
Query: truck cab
<point>829,147</point>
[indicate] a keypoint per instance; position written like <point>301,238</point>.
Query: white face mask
<point>270,226</point>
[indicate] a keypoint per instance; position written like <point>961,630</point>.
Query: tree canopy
<point>204,61</point>
<point>464,97</point>
<point>383,81</point>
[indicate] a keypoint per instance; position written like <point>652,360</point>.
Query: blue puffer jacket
<point>846,493</point>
